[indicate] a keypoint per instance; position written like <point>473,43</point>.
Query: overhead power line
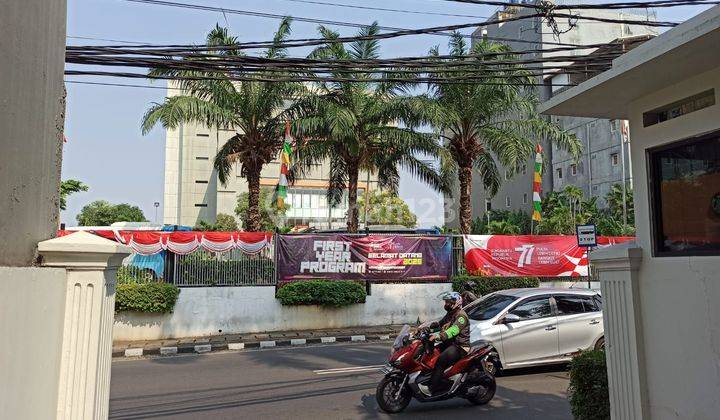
<point>591,6</point>
<point>383,9</point>
<point>444,30</point>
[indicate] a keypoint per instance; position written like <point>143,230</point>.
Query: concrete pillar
<point>32,47</point>
<point>617,268</point>
<point>91,264</point>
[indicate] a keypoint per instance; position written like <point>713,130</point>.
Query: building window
<point>201,205</point>
<point>200,181</point>
<point>685,182</point>
<point>524,169</point>
<point>507,201</point>
<point>524,198</point>
<point>573,169</point>
<point>594,187</point>
<point>559,173</point>
<point>615,159</point>
<point>679,108</point>
<point>614,125</point>
<point>488,205</point>
<point>201,157</point>
<point>507,174</point>
<point>203,135</point>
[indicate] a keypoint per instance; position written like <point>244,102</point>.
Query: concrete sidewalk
<point>222,342</point>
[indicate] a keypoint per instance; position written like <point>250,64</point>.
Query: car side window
<point>533,308</point>
<point>590,304</point>
<point>568,305</point>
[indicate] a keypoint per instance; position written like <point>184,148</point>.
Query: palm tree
<point>354,125</point>
<point>256,109</point>
<point>486,122</point>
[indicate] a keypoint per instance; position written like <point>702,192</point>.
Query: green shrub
<point>146,297</point>
<point>132,274</point>
<point>485,285</point>
<point>322,292</point>
<point>588,391</point>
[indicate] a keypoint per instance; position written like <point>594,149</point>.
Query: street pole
<point>367,199</point>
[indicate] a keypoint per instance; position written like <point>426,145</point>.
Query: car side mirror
<point>510,318</point>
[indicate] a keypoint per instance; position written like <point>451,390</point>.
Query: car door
<point>532,339</point>
<point>579,322</point>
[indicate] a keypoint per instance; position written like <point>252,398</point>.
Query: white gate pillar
<point>617,267</point>
<point>91,264</point>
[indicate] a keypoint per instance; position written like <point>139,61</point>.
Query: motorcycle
<point>411,362</point>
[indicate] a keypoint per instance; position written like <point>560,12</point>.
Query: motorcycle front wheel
<point>390,397</point>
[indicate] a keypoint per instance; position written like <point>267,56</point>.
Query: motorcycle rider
<point>453,331</point>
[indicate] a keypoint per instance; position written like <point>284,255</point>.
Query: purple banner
<point>373,257</point>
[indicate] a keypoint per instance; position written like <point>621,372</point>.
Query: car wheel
<point>600,345</point>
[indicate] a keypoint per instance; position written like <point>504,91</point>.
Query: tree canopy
<point>68,187</point>
<point>223,223</point>
<point>387,208</point>
<point>102,213</point>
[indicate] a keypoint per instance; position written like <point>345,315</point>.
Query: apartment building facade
<point>603,163</point>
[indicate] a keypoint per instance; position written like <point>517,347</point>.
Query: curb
<point>265,344</point>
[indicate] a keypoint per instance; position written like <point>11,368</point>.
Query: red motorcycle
<point>411,362</point>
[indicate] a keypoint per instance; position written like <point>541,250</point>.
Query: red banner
<point>147,242</point>
<point>530,255</point>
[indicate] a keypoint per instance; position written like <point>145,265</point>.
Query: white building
<point>662,294</point>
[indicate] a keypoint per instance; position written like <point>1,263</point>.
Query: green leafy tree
<point>506,223</point>
<point>354,126</point>
<point>270,215</point>
<point>255,108</point>
<point>68,187</point>
<point>102,213</point>
<point>386,208</point>
<point>488,121</point>
<point>223,223</point>
<point>614,200</point>
<point>503,227</point>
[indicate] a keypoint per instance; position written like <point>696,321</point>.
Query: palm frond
<point>177,110</point>
<point>485,164</point>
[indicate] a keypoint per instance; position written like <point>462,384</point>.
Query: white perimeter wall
<point>32,311</point>
<point>207,310</point>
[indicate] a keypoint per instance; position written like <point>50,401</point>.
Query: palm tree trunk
<point>465,178</point>
<point>352,215</point>
<point>253,211</point>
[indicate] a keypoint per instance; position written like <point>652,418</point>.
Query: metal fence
<point>230,268</point>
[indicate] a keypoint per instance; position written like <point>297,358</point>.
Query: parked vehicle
<point>411,362</point>
<point>531,327</point>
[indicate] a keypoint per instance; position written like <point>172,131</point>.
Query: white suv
<point>531,327</point>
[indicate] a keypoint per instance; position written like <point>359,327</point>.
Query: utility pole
<point>367,199</point>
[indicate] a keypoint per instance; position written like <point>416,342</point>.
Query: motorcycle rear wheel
<point>485,394</point>
<point>388,397</point>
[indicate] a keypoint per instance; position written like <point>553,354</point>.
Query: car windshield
<point>489,306</point>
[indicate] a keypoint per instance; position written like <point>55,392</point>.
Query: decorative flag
<point>284,164</point>
<point>537,180</point>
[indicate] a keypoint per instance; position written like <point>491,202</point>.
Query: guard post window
<point>685,182</point>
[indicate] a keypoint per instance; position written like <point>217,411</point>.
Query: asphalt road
<point>321,383</point>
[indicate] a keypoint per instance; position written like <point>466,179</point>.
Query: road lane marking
<point>351,369</point>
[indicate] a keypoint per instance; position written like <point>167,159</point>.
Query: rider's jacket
<point>454,326</point>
